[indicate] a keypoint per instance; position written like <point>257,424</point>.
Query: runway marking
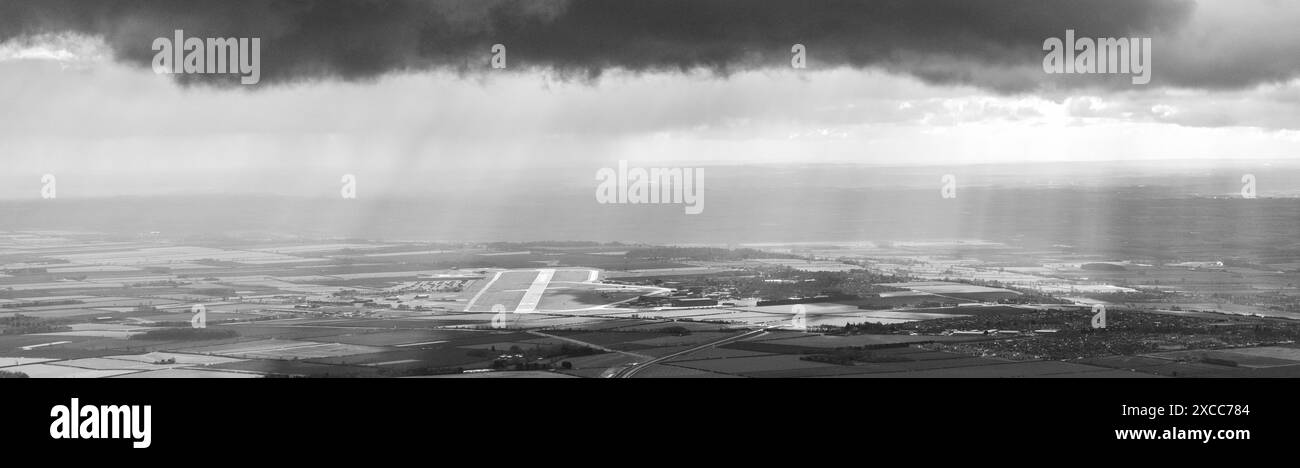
<point>423,343</point>
<point>29,348</point>
<point>481,291</point>
<point>534,294</point>
<point>389,363</point>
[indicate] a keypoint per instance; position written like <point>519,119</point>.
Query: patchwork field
<point>76,305</point>
<point>284,349</point>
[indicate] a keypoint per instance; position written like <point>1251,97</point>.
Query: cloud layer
<point>991,44</point>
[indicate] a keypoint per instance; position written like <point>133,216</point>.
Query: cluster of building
<point>440,285</point>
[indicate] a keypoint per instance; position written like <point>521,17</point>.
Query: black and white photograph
<point>931,194</point>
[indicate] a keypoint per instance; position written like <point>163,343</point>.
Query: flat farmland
<point>504,375</point>
<point>1278,352</point>
<point>659,326</point>
<point>1009,369</point>
<point>899,299</point>
<point>283,332</point>
<point>653,352</point>
<point>717,353</point>
<point>283,349</point>
<point>48,371</point>
<point>896,369</point>
<point>811,309</point>
<point>677,372</point>
<point>396,337</point>
<point>808,265</point>
<point>948,288</point>
<point>318,248</point>
<point>36,342</point>
<point>181,373</point>
<point>743,365</point>
<point>18,361</point>
<point>833,341</point>
<point>345,323</point>
<point>773,335</point>
<point>213,317</point>
<point>612,262</point>
<point>64,287</point>
<point>550,290</point>
<point>74,347</point>
<point>56,347</point>
<point>1279,372</point>
<point>126,302</point>
<point>283,367</point>
<point>697,338</point>
<point>403,359</point>
<point>1268,356</point>
<point>620,323</point>
<point>180,358</point>
<point>558,321</point>
<point>488,337</point>
<point>604,338</point>
<point>984,296</point>
<point>163,255</point>
<point>667,272</point>
<point>71,312</point>
<point>502,346</point>
<point>827,371</point>
<point>110,364</point>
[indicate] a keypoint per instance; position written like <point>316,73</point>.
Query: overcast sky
<point>401,90</point>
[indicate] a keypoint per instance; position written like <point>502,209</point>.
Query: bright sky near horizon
<point>80,100</point>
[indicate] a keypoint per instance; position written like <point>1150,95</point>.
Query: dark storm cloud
<point>992,44</point>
